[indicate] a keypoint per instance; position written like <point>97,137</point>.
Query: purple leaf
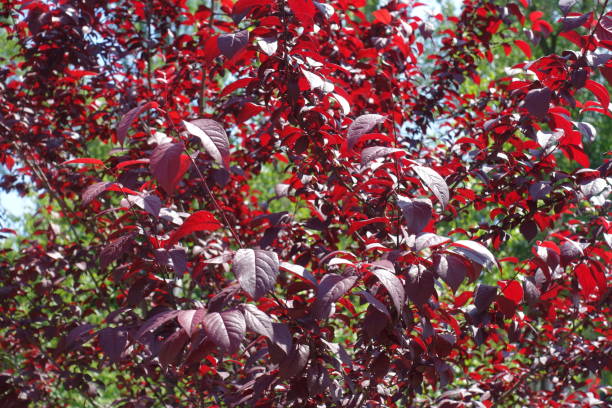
<point>261,323</point>
<point>537,102</point>
<point>232,43</point>
<point>475,252</point>
<point>377,304</point>
<point>417,213</point>
<point>172,346</point>
<point>318,379</point>
<point>190,319</point>
<point>572,22</point>
<point>256,271</point>
<point>127,120</point>
<point>258,321</point>
<point>434,182</point>
<point>155,322</point>
<point>531,291</point>
<point>374,322</point>
<point>317,82</point>
<point>114,249</point>
<point>360,126</point>
<point>179,260</point>
<point>540,190</point>
<point>213,138</point>
<point>566,5</point>
<point>152,204</point>
<point>339,353</point>
<point>393,285</point>
<point>372,153</point>
<point>78,335</point>
<point>484,296</point>
<point>592,187</point>
<point>587,130</point>
<point>168,164</point>
<point>571,250</point>
<point>529,229</point>
<point>295,362</point>
<point>300,272</point>
<point>113,341</point>
<point>419,284</point>
<point>282,337</point>
<point>331,288</point>
<point>93,191</point>
<point>268,45</point>
<point>427,240</point>
<point>451,269</point>
<point>226,329</point>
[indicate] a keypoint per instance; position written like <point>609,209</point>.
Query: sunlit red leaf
<point>198,221</point>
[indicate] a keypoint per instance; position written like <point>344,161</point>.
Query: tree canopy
<point>277,203</point>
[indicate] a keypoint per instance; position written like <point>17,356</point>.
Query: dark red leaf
<point>539,190</point>
<point>566,5</point>
<point>377,304</point>
<point>529,229</point>
<point>304,11</point>
<point>258,321</point>
<point>77,336</point>
<point>427,240</point>
<point>282,337</point>
<point>531,291</point>
<point>148,202</point>
<point>571,250</point>
<point>380,366</point>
